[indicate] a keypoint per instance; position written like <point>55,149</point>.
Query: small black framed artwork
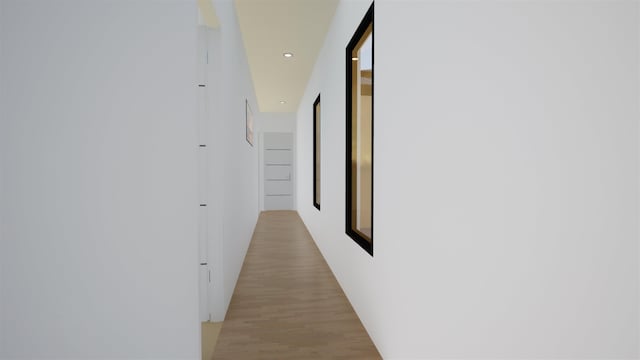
<point>249,122</point>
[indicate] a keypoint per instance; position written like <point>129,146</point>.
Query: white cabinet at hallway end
<point>278,171</point>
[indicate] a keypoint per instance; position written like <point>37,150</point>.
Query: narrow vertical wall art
<point>249,122</point>
<point>316,153</point>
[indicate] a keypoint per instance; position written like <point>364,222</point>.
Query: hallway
<point>287,303</point>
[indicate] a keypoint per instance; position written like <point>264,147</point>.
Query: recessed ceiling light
<point>282,102</point>
<point>354,58</point>
<point>287,55</point>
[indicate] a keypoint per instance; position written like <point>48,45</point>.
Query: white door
<point>278,171</point>
<point>202,153</point>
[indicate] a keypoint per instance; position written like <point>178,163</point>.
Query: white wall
<point>99,251</point>
<point>234,167</point>
<point>277,122</point>
<point>2,141</point>
<point>506,178</point>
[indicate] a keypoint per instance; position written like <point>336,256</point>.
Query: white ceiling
<point>273,27</point>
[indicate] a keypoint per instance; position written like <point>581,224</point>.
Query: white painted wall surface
<point>277,122</point>
<point>99,251</point>
<point>236,177</point>
<point>2,141</point>
<point>506,178</point>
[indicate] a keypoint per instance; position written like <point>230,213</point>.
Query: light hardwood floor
<point>210,332</point>
<point>287,304</point>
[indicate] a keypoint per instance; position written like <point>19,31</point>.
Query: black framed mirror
<point>359,133</point>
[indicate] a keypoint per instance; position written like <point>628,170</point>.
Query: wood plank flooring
<point>287,304</point>
<point>210,332</point>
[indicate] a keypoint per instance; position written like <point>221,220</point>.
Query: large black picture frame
<point>366,244</point>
